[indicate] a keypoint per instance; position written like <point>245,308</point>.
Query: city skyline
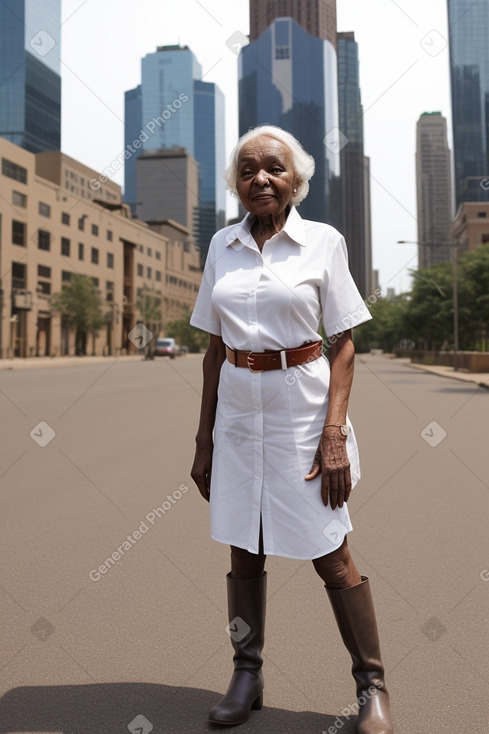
<point>394,95</point>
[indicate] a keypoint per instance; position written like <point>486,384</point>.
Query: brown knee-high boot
<point>355,616</point>
<point>247,602</point>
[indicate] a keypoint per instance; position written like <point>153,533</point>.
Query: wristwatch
<point>345,430</point>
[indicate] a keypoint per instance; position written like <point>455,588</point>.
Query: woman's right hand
<point>201,469</point>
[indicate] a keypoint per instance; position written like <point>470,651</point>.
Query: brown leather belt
<point>270,360</point>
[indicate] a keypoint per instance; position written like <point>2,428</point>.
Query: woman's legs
<point>246,586</point>
<point>337,569</point>
<point>349,594</point>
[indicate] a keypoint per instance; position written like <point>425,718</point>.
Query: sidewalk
<point>42,362</point>
<point>479,378</point>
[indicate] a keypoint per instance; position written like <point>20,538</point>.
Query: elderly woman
<point>276,454</point>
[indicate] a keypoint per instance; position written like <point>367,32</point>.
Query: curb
<point>450,376</point>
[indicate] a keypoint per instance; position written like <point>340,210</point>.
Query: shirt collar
<point>240,235</point>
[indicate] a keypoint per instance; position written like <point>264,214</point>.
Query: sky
<point>404,71</point>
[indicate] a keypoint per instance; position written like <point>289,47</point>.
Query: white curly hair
<point>303,162</point>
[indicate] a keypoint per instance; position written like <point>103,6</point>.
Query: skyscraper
<point>355,225</point>
<point>468,24</point>
<point>433,187</point>
<point>173,108</point>
<point>317,17</point>
<point>289,78</point>
<point>30,81</point>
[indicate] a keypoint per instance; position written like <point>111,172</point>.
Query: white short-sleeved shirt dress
<point>268,424</point>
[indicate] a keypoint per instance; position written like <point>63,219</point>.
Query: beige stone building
<point>57,218</point>
<point>470,228</point>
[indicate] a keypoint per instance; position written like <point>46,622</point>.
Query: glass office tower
<point>355,225</point>
<point>468,24</point>
<point>30,81</point>
<point>172,108</point>
<point>289,78</point>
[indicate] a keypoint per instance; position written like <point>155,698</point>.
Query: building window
<point>43,271</point>
<point>158,255</point>
<point>282,52</point>
<point>110,235</point>
<point>65,276</point>
<point>94,256</point>
<point>158,275</point>
<point>109,286</point>
<point>65,246</point>
<point>44,209</point>
<point>110,260</point>
<point>18,233</point>
<point>44,287</point>
<point>12,170</point>
<point>95,282</point>
<point>149,273</point>
<point>150,252</point>
<point>95,230</point>
<point>482,215</point>
<point>43,239</point>
<point>65,218</point>
<point>140,270</point>
<point>81,223</point>
<point>19,199</point>
<point>81,251</point>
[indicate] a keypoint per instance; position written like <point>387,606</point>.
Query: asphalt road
<point>95,462</point>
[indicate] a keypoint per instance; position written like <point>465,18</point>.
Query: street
<point>112,593</point>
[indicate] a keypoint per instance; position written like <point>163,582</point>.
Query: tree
<point>187,335</point>
<point>150,309</point>
<point>80,306</point>
<point>386,329</point>
<point>429,314</point>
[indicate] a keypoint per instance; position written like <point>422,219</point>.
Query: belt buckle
<point>249,365</point>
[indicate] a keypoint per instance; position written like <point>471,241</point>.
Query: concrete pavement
<point>95,466</point>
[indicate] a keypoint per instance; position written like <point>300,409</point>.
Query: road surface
<point>112,594</point>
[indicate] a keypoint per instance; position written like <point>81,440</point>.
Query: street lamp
<point>452,246</point>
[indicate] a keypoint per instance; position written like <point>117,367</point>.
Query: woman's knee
<point>246,565</point>
<point>337,569</point>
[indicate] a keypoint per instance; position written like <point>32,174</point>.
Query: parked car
<point>166,347</point>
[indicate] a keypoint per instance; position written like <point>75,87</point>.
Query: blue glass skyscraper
<point>30,81</point>
<point>355,225</point>
<point>289,78</point>
<point>468,23</point>
<point>173,108</point>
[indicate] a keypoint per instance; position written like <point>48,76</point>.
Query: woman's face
<point>266,176</point>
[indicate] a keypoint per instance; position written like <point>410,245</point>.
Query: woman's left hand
<point>331,461</point>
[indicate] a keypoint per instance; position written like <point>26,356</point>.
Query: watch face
<point>345,430</point>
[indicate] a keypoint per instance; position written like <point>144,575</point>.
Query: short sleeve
<point>343,306</point>
<point>204,316</point>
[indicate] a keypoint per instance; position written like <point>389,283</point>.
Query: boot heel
<point>257,704</point>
